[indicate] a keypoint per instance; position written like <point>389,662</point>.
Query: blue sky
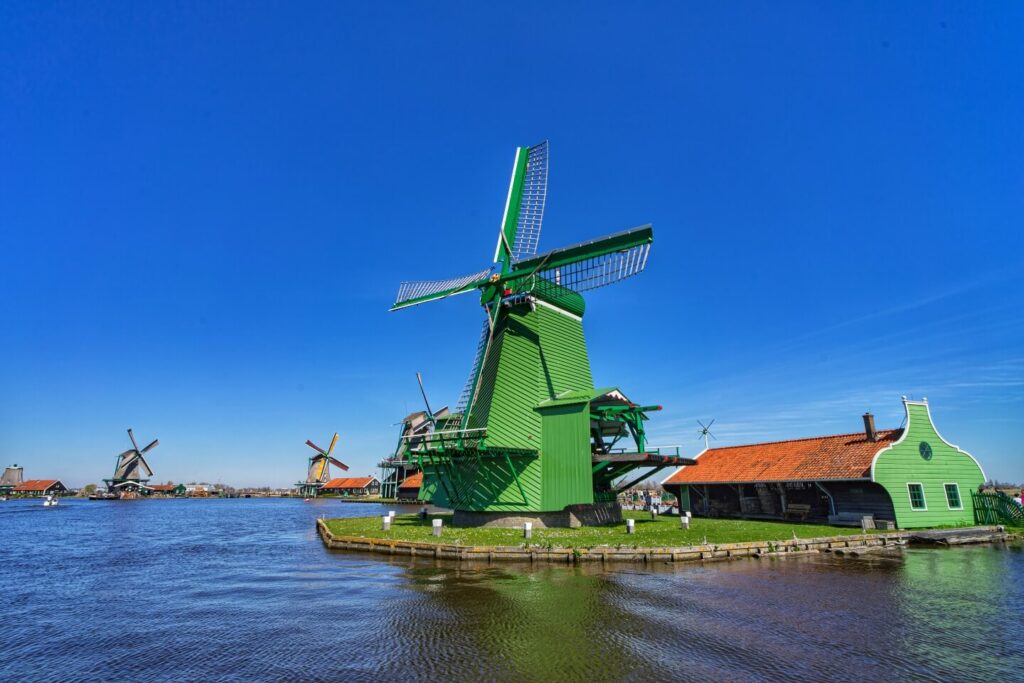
<point>205,211</point>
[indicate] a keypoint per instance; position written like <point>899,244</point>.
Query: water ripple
<point>242,590</point>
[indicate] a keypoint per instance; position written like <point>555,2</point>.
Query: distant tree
<point>89,488</point>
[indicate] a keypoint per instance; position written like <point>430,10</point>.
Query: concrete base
<point>573,516</point>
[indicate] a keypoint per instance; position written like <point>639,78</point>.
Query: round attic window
<point>925,450</point>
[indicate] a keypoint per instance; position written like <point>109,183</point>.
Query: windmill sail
<point>418,292</point>
<point>600,271</point>
<point>142,460</point>
<point>521,221</point>
<point>467,390</point>
<point>592,264</point>
<point>531,203</point>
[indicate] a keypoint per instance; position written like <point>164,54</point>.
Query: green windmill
<point>531,434</point>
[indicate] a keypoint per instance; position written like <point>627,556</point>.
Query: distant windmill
<point>319,471</point>
<point>128,470</point>
<point>705,431</point>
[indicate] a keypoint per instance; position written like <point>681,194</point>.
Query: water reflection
<point>243,590</point>
<point>809,619</point>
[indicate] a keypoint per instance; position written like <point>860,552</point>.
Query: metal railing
<point>448,438</point>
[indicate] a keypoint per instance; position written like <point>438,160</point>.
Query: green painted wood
<point>902,464</point>
<point>997,508</point>
<point>683,494</point>
<point>535,355</point>
<point>515,199</point>
<point>565,456</point>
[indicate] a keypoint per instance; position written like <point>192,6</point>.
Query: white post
<point>689,514</point>
<point>391,514</point>
<point>437,526</point>
<point>385,522</point>
<point>527,529</point>
<point>630,528</point>
<point>684,522</point>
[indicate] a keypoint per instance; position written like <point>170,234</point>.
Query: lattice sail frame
<point>481,348</point>
<point>600,271</point>
<point>533,199</point>
<point>415,289</point>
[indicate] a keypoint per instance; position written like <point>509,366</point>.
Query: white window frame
<point>959,497</point>
<point>924,498</point>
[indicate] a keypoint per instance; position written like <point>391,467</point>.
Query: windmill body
<point>131,471</point>
<point>318,469</point>
<point>532,434</point>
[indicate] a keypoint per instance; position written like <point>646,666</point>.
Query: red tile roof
<point>843,456</point>
<point>348,483</point>
<point>164,487</point>
<point>414,481</point>
<point>35,485</point>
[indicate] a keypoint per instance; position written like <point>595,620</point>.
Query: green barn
<point>909,476</point>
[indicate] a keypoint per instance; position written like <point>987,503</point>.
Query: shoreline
<point>857,543</point>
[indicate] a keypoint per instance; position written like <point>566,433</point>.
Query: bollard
<point>689,514</point>
<point>684,522</point>
<point>391,514</point>
<point>654,512</point>
<point>437,526</point>
<point>527,529</point>
<point>630,526</point>
<point>385,522</point>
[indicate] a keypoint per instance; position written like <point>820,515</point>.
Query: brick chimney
<point>869,427</point>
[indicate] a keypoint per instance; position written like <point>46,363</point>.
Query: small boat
<point>3,499</point>
<point>49,502</point>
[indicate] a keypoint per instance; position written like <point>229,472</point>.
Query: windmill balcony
<point>449,438</point>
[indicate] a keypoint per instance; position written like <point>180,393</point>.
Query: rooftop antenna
<point>705,431</point>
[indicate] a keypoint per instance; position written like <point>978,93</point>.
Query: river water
<point>243,590</point>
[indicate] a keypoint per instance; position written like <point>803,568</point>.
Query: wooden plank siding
<point>903,463</point>
<point>862,497</point>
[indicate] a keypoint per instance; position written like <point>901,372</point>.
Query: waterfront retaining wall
<point>722,551</point>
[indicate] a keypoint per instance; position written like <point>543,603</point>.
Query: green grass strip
<point>661,532</point>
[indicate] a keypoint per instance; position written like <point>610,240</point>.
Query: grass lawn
<point>662,532</point>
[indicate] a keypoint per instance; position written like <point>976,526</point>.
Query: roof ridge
<point>880,433</point>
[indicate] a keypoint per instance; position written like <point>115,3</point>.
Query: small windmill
<point>705,431</point>
<point>128,469</point>
<point>318,472</point>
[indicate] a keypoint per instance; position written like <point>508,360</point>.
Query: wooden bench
<point>798,510</point>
